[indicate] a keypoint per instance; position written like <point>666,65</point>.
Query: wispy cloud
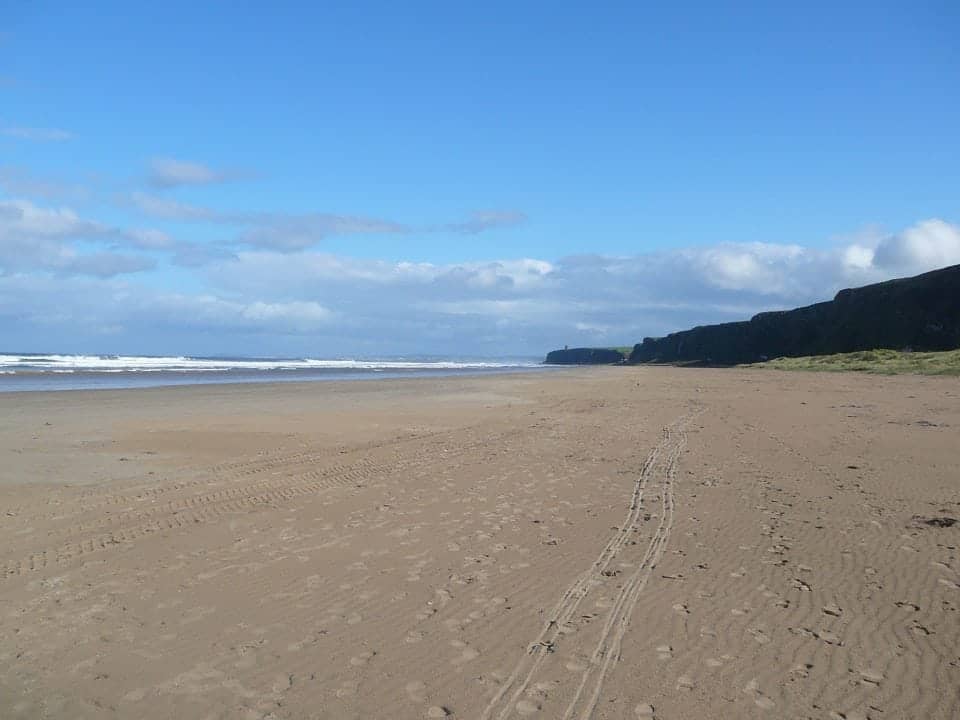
<point>286,233</point>
<point>18,181</point>
<point>106,264</point>
<point>290,232</point>
<point>170,172</point>
<point>37,134</point>
<point>483,220</point>
<point>159,206</point>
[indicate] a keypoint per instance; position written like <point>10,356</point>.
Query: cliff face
<point>921,313</point>
<point>584,356</point>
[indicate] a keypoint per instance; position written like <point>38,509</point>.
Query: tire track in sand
<point>607,651</point>
<point>606,654</point>
<point>110,532</point>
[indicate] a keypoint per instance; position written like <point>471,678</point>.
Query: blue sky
<point>393,178</point>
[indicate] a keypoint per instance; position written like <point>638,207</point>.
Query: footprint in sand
<point>527,707</point>
<point>763,702</point>
<point>361,659</point>
<point>348,689</point>
<point>416,691</point>
<point>135,695</point>
<point>871,676</point>
<point>466,656</point>
<point>829,637</point>
<point>542,688</point>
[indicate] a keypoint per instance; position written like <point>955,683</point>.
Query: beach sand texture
<point>590,543</point>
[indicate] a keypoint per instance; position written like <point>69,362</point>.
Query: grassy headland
<point>882,362</point>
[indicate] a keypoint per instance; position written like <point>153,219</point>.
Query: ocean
<point>21,372</point>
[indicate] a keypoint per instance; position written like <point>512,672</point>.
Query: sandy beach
<point>620,543</point>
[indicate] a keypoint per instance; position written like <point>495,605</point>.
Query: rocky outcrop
<point>919,313</point>
<point>585,356</point>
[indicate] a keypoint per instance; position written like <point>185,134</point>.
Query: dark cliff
<point>585,356</point>
<point>920,313</point>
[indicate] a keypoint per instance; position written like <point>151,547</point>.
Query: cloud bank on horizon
<point>73,283</point>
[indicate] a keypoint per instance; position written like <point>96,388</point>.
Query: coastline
<point>73,380</point>
<point>378,549</point>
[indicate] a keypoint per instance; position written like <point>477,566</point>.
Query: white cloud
<point>620,298</point>
<point>34,238</point>
<point>858,257</point>
<point>210,312</point>
<point>926,245</point>
<point>298,313</point>
<point>305,302</point>
<point>37,134</point>
<point>24,218</point>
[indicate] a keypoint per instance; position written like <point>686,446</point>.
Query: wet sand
<point>593,543</point>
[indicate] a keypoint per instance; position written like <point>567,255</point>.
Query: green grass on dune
<point>882,362</point>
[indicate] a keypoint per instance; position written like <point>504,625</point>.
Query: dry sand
<point>607,543</point>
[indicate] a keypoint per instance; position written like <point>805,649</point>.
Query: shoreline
<point>181,379</point>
